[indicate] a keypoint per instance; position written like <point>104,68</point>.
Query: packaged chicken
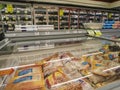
<point>28,82</point>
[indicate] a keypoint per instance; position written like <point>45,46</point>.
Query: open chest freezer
<point>67,65</point>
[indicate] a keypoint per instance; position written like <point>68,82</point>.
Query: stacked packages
<point>63,71</point>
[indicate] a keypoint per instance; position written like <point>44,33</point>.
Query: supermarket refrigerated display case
<point>71,61</point>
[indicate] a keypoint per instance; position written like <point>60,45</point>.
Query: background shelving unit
<point>20,15</point>
<point>24,15</point>
<point>40,15</point>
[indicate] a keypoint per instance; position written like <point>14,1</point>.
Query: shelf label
<point>68,31</point>
<point>37,42</point>
<point>98,33</point>
<point>37,33</point>
<point>61,12</point>
<point>91,32</point>
<point>10,8</point>
<point>47,33</point>
<point>75,31</point>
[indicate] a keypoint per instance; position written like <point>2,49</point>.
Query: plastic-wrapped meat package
<point>103,75</point>
<point>28,82</point>
<point>66,82</point>
<point>85,68</point>
<point>52,65</point>
<point>56,77</point>
<point>76,62</point>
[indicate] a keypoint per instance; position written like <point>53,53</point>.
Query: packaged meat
<point>28,82</point>
<point>56,77</point>
<point>52,65</point>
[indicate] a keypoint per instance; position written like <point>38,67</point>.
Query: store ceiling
<point>110,1</point>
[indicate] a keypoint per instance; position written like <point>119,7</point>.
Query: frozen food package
<point>56,77</point>
<point>52,65</point>
<point>28,82</point>
<point>85,68</point>
<point>28,70</point>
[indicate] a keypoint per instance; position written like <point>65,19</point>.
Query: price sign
<point>97,33</point>
<point>109,15</point>
<point>10,8</point>
<point>91,32</point>
<point>61,12</point>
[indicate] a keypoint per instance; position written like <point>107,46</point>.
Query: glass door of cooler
<point>77,63</point>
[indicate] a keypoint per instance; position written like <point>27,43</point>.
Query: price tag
<point>67,31</point>
<point>37,33</point>
<point>61,12</point>
<point>10,8</point>
<point>47,33</point>
<point>37,42</point>
<point>109,15</point>
<point>75,32</point>
<point>98,33</point>
<point>91,32</point>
